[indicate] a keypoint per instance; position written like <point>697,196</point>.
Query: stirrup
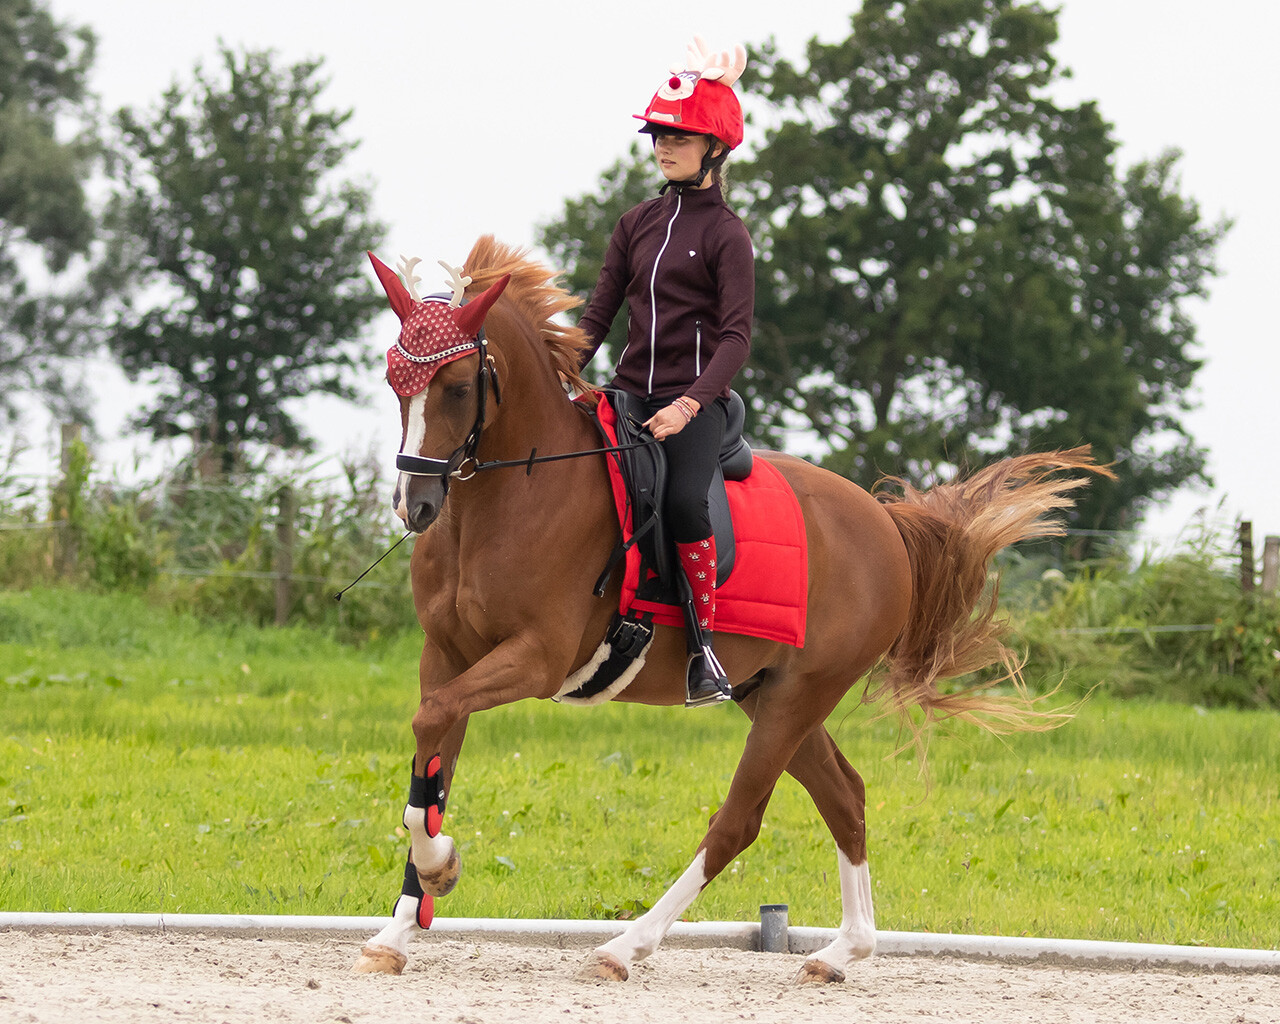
<point>705,681</point>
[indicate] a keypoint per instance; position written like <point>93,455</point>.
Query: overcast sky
<point>483,117</point>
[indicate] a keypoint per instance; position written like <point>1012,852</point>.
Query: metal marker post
<point>773,928</point>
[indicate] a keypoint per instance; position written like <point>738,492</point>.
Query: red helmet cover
<point>695,104</point>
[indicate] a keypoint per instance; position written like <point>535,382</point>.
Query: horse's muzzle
<point>418,500</point>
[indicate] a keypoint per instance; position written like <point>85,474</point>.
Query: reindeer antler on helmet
<point>725,67</point>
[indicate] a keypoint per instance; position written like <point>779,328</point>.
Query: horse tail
<point>952,532</point>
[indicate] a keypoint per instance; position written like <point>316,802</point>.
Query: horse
<point>503,569</point>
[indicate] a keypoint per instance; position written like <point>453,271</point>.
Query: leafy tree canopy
<point>43,214</point>
<point>243,252</point>
<point>950,267</point>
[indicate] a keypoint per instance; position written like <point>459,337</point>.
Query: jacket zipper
<point>653,299</point>
<point>697,351</point>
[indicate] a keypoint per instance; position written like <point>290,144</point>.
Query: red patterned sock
<point>699,563</point>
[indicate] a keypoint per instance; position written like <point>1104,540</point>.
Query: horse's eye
<point>456,391</point>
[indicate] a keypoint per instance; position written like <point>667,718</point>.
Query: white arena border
<point>739,935</point>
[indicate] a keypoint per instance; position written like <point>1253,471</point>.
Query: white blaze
<point>415,433</point>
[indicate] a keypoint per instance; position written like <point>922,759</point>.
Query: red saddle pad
<point>766,595</point>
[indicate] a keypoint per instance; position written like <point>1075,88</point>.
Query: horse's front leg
<point>388,951</point>
<point>512,671</point>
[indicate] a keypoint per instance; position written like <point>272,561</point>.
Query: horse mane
<point>539,297</point>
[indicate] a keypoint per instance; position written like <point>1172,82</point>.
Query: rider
<point>684,264</point>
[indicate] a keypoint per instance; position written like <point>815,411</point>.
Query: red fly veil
<point>434,331</point>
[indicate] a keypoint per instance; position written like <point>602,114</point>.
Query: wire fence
<point>306,534</point>
<point>278,546</point>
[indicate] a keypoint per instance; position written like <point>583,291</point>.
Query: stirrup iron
<point>705,681</point>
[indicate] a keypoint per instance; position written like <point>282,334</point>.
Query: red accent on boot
<point>426,910</point>
<point>698,560</point>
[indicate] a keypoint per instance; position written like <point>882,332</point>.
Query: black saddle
<point>645,472</point>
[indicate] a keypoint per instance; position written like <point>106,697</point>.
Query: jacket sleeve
<point>736,298</point>
<point>609,292</point>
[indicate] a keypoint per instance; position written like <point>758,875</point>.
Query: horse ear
<point>470,318</point>
<point>401,300</point>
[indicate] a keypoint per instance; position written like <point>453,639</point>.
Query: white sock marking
<point>403,923</point>
<point>429,852</point>
<point>856,939</point>
<point>643,935</point>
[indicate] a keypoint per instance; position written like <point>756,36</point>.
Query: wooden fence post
<point>285,523</point>
<point>67,544</point>
<point>1246,557</point>
<point>1270,565</point>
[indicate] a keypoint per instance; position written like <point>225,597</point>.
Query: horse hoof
<point>603,967</point>
<point>380,960</point>
<point>818,972</point>
<point>441,880</point>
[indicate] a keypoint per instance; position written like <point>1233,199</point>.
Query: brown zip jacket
<point>685,266</point>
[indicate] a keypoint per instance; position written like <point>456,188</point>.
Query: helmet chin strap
<point>687,183</point>
<point>709,163</point>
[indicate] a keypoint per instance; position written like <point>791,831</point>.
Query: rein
<point>404,462</point>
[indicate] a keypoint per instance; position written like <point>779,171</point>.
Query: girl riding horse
<point>684,265</point>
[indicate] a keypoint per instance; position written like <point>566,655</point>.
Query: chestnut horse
<point>503,572</point>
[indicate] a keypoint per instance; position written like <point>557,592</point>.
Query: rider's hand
<point>667,421</point>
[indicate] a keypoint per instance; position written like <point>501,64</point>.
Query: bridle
<point>447,468</point>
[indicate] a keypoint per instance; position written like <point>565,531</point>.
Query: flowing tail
<point>952,532</point>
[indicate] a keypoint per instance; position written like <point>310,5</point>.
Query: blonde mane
<point>534,290</point>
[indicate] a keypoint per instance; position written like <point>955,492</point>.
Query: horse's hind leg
<point>771,744</point>
<point>840,796</point>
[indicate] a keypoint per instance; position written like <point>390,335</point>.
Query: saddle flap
<point>645,472</point>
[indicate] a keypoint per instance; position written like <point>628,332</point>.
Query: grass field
<point>152,763</point>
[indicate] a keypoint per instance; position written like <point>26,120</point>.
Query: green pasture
<point>153,763</point>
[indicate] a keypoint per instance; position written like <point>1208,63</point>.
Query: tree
<point>44,217</point>
<point>955,270</point>
<point>949,266</point>
<point>245,255</point>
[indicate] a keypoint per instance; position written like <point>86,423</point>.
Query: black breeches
<point>692,456</point>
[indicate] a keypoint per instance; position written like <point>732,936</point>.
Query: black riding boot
<point>705,681</point>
